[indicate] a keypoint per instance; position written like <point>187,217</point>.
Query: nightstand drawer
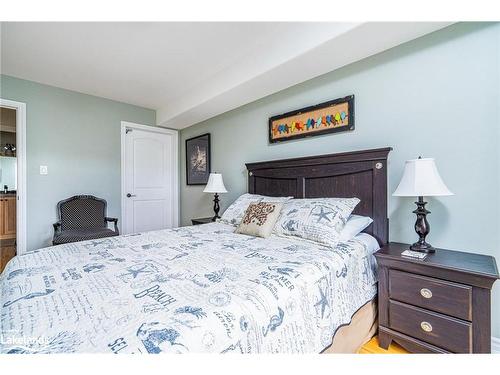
<point>433,294</point>
<point>440,330</point>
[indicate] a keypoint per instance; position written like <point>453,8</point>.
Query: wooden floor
<point>371,347</point>
<point>7,251</point>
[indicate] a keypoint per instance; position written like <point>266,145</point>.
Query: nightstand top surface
<point>477,264</point>
<point>203,220</point>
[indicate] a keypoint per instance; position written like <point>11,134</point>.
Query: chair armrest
<point>57,227</point>
<point>113,220</point>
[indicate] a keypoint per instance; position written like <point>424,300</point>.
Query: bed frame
<point>361,174</point>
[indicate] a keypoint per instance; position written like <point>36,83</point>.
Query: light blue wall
<point>78,137</point>
<point>437,96</point>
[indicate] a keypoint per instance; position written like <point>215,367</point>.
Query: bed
<point>205,288</point>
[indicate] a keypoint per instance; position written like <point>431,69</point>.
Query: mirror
<point>8,172</point>
<point>8,160</point>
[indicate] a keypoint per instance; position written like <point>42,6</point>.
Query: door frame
<point>174,155</point>
<point>21,231</point>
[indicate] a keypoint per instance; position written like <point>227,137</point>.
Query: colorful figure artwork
<point>330,117</point>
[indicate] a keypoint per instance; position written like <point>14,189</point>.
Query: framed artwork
<point>330,117</point>
<point>198,160</point>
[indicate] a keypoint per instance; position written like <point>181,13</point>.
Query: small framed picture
<point>198,160</point>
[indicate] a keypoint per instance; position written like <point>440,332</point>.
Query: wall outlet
<point>44,169</point>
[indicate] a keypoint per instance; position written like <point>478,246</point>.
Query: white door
<point>149,186</point>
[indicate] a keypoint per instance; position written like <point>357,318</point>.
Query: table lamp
<point>421,178</point>
<point>215,185</point>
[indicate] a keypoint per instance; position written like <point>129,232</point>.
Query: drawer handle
<point>427,327</point>
<point>426,293</point>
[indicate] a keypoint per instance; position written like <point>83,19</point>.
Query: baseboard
<point>495,345</point>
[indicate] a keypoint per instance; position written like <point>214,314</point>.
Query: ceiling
<point>190,72</point>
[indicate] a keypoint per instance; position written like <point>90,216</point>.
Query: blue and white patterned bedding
<point>185,290</point>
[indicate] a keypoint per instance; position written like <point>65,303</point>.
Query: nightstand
<point>202,220</point>
<point>441,304</point>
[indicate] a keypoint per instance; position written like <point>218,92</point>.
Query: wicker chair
<point>82,217</point>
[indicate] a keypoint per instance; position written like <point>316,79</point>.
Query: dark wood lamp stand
<point>422,228</point>
<point>216,207</point>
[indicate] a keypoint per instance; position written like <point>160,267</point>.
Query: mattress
<point>199,289</point>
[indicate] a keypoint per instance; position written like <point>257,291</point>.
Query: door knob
<point>130,195</point>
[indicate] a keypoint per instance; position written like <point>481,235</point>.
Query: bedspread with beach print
<point>185,290</point>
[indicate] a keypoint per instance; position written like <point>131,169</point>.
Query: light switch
<point>44,169</point>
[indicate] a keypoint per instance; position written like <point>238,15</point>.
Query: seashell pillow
<point>316,219</point>
<point>259,219</point>
<point>235,212</point>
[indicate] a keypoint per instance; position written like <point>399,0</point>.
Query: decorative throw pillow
<point>259,219</point>
<point>235,212</point>
<point>316,219</point>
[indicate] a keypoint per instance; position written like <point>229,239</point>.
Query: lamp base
<point>422,247</point>
<point>422,228</point>
<point>216,207</point>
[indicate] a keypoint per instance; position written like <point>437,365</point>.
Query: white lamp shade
<point>215,184</point>
<point>421,178</point>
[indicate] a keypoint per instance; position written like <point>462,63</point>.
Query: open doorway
<point>12,180</point>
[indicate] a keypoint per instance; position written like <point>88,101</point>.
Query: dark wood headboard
<point>361,174</point>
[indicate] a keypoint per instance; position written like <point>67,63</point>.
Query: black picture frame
<point>197,175</point>
<point>349,100</point>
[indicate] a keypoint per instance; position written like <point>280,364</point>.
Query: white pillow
<point>266,198</point>
<point>235,212</point>
<point>354,226</point>
<point>316,219</point>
